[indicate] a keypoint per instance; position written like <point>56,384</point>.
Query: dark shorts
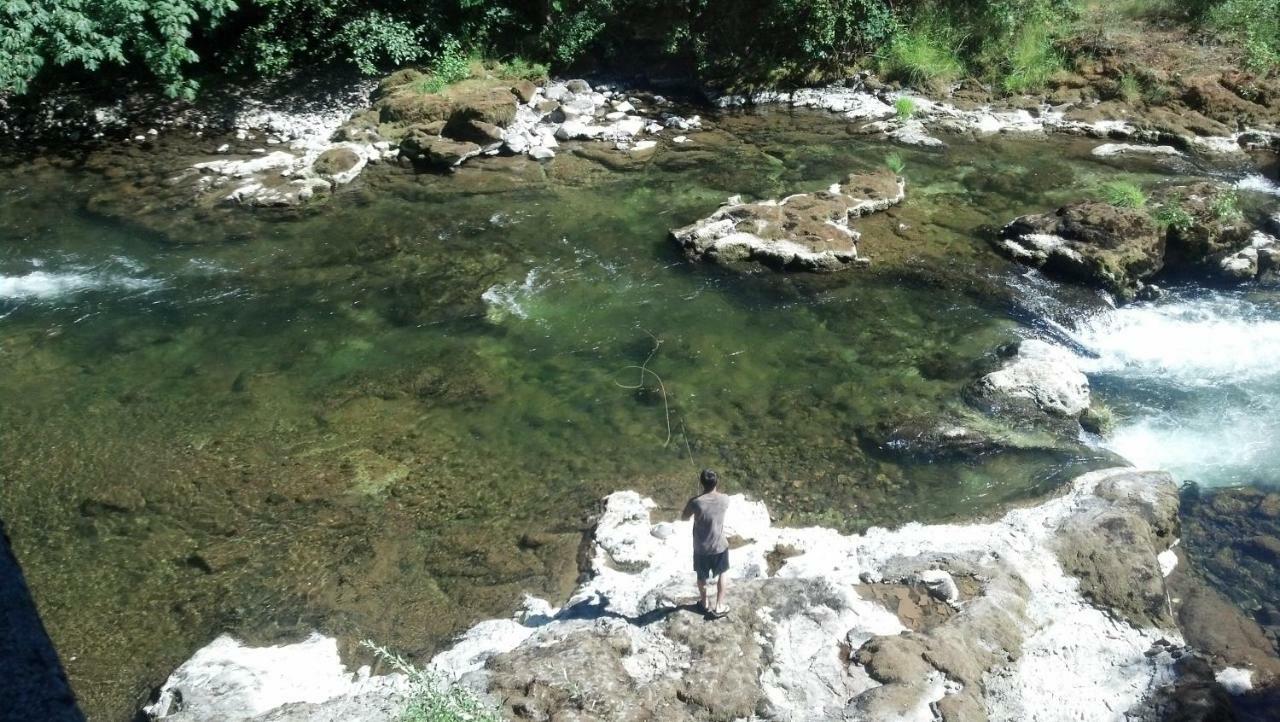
<point>710,565</point>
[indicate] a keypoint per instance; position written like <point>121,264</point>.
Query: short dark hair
<point>709,479</point>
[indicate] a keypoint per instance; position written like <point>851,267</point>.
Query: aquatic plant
<point>1123,194</point>
<point>895,163</point>
<point>1172,215</point>
<point>1226,205</point>
<point>431,698</point>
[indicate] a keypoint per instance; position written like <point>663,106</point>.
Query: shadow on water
<point>33,685</point>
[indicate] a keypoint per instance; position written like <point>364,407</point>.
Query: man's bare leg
<point>702,593</point>
<point>720,585</point>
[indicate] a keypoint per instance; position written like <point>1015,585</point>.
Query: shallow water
<point>391,416</point>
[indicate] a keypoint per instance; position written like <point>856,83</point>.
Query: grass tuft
<point>1123,194</point>
<point>924,54</point>
<point>1030,61</point>
<point>904,108</point>
<point>1226,206</point>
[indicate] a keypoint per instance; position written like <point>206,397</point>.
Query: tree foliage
<point>36,34</point>
<point>1013,42</point>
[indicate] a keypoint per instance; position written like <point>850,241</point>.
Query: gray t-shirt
<point>708,511</point>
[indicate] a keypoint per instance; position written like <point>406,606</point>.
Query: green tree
<point>40,35</point>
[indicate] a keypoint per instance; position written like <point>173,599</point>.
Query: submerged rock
<point>1089,242</point>
<point>803,232</point>
<point>808,637</point>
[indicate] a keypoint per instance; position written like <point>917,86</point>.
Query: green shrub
<point>895,163</point>
<point>927,53</point>
<point>432,699</point>
<point>1172,215</point>
<point>450,66</point>
<point>904,108</point>
<point>1255,23</point>
<point>1226,206</point>
<point>1031,60</point>
<point>44,35</point>
<point>1123,194</point>
<point>376,40</point>
<point>1129,88</point>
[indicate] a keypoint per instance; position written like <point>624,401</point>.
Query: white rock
<point>624,106</point>
<point>542,152</point>
<point>574,129</point>
<point>680,139</point>
<point>615,115</point>
<point>1108,150</point>
<point>229,681</point>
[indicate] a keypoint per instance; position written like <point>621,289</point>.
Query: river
<point>389,416</point>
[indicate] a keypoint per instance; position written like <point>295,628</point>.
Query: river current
<point>390,416</point>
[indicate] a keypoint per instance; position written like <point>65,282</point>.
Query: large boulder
<point>803,232</point>
<point>1091,242</point>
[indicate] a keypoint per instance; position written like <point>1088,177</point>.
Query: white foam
<point>512,299</point>
<point>1259,183</point>
<point>1235,680</point>
<point>1201,380</point>
<point>46,285</point>
<point>1191,343</point>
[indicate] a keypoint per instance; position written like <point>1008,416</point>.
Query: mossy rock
<point>396,81</point>
<point>336,161</point>
<point>1091,242</point>
<point>1211,236</point>
<point>412,107</point>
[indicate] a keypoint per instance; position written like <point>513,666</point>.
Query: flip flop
<point>721,612</point>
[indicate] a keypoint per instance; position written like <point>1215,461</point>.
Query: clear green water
<point>391,416</point>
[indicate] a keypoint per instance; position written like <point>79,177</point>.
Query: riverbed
<point>389,416</point>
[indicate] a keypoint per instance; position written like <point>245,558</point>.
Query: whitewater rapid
<point>1194,379</point>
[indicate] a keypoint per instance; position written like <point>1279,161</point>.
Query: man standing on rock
<point>710,548</point>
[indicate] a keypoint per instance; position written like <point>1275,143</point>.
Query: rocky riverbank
<point>1056,611</point>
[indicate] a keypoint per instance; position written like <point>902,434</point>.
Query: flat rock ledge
<point>1053,612</point>
<point>802,232</point>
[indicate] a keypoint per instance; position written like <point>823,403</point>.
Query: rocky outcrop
<point>1090,242</point>
<point>486,116</point>
<point>869,105</point>
<point>952,622</point>
<point>802,232</point>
